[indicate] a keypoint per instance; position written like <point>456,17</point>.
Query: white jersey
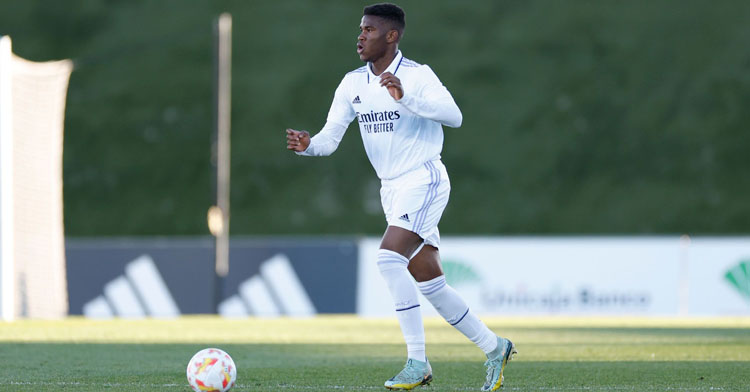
<point>399,136</point>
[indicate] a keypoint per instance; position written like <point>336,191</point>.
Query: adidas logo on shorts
<point>404,217</point>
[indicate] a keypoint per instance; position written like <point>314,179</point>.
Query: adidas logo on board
<point>139,292</point>
<point>276,291</point>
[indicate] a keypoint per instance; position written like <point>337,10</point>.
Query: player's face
<point>372,42</point>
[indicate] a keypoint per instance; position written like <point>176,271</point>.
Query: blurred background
<point>602,124</point>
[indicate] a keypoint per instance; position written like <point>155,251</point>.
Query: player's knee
<point>425,266</point>
<point>425,275</point>
<point>389,260</point>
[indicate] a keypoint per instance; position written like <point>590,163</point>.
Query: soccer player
<point>401,106</point>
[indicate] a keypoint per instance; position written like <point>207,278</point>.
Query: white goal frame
<point>7,281</point>
<point>32,248</point>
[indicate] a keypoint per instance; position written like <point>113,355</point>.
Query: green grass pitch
<point>346,353</point>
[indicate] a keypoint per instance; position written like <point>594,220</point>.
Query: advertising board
<point>651,276</point>
<point>171,276</point>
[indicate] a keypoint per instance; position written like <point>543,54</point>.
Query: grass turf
<point>348,353</point>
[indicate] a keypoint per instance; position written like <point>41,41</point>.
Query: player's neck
<point>379,66</point>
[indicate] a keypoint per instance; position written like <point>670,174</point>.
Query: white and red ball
<point>211,370</point>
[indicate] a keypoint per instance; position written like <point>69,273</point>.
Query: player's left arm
<point>428,97</point>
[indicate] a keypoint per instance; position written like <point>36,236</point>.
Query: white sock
<point>454,310</point>
<point>401,285</point>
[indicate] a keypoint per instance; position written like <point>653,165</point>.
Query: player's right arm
<point>327,140</point>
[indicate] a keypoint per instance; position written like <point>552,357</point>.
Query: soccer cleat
<point>415,373</point>
<point>495,363</point>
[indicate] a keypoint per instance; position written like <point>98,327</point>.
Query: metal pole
<point>218,215</point>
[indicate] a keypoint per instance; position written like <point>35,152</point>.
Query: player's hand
<point>393,84</point>
<point>297,140</point>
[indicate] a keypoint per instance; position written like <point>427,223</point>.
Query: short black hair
<point>390,12</point>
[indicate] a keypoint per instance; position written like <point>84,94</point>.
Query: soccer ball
<point>211,370</point>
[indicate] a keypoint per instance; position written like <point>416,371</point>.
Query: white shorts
<point>415,201</point>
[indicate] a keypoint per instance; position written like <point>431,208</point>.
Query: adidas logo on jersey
<point>356,100</point>
<point>404,217</point>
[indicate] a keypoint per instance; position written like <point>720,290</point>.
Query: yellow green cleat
<point>415,373</point>
<point>496,361</point>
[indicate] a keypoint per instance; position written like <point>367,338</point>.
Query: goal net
<point>32,249</point>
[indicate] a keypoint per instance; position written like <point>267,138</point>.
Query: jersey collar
<point>392,68</point>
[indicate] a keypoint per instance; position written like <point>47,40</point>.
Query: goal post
<point>32,249</point>
<point>7,284</point>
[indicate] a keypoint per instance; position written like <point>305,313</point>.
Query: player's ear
<point>392,36</point>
